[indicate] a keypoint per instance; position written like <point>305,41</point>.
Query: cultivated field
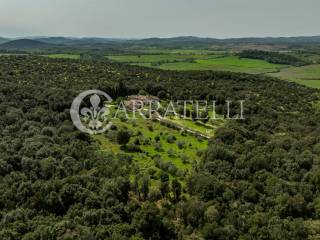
<point>199,61</point>
<point>306,75</point>
<point>193,59</point>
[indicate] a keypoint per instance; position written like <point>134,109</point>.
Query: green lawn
<point>306,75</point>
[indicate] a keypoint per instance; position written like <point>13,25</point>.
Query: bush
<point>181,144</point>
<point>158,147</point>
<point>171,138</point>
<point>150,128</point>
<point>133,148</point>
<point>154,195</point>
<point>171,152</point>
<point>137,141</point>
<point>185,159</point>
<point>123,137</point>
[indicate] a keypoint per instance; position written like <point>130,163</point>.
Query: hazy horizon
<point>141,38</point>
<point>159,18</point>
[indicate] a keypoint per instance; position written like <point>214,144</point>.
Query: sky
<point>159,18</point>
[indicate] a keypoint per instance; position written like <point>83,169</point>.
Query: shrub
<point>157,138</point>
<point>171,138</point>
<point>181,144</point>
<point>158,147</point>
<point>171,152</point>
<point>123,137</point>
<point>133,148</point>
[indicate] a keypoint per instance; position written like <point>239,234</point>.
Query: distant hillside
<point>3,40</point>
<point>57,40</point>
<point>79,41</point>
<point>180,41</point>
<point>175,42</point>
<point>277,40</point>
<point>185,40</point>
<point>24,44</point>
<point>207,42</point>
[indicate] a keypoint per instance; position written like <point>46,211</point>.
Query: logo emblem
<point>89,113</point>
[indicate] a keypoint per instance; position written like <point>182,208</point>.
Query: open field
<point>64,56</point>
<point>185,59</point>
<point>199,61</point>
<point>306,75</point>
<point>178,51</point>
<point>231,63</point>
<point>195,59</point>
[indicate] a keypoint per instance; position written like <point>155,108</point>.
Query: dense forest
<point>273,57</point>
<point>258,179</point>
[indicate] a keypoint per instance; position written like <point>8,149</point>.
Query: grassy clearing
<point>159,58</point>
<point>177,148</point>
<point>199,61</point>
<point>231,63</point>
<point>151,129</point>
<point>182,60</point>
<point>306,75</point>
<point>178,51</point>
<point>13,54</point>
<point>64,56</point>
<point>182,158</point>
<point>206,129</point>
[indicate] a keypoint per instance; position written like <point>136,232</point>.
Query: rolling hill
<point>175,42</point>
<point>180,41</point>
<point>3,40</point>
<point>23,44</point>
<point>302,39</point>
<point>256,177</point>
